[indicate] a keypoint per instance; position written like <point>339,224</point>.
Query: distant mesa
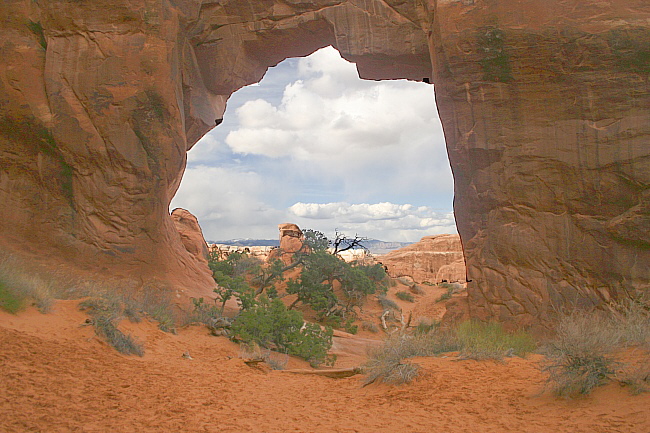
<point>434,259</point>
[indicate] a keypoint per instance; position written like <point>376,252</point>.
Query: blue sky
<point>314,145</point>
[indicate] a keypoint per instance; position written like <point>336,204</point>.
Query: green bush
<point>405,296</point>
<point>479,340</point>
<point>9,301</point>
<point>269,324</point>
<point>20,287</point>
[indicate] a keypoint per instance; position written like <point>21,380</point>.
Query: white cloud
<point>315,132</point>
<point>404,221</point>
<point>227,202</point>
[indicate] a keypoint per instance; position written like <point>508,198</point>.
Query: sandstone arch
<point>545,107</point>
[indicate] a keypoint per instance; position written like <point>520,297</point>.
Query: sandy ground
<point>56,376</point>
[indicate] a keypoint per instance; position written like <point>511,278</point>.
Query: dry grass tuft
<point>105,313</point>
<point>386,363</point>
<point>481,341</point>
<point>20,288</point>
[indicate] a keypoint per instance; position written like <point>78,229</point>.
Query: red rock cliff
<point>545,107</point>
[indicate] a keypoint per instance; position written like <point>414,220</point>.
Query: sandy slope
<point>55,376</point>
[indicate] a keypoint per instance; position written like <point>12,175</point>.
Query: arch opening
<point>314,144</point>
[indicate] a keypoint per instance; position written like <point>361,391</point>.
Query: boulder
<point>191,234</point>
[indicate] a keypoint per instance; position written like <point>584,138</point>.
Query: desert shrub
<point>125,344</point>
<point>369,326</point>
<point>271,325</point>
<point>633,322</point>
<point>386,363</point>
<point>637,378</point>
<point>387,304</point>
<point>105,312</point>
<point>405,296</point>
<point>578,358</point>
<point>407,281</point>
<point>479,340</point>
<point>277,361</point>
<point>203,312</point>
<point>417,290</point>
<point>20,288</point>
<point>9,301</point>
<point>425,326</point>
<point>447,295</point>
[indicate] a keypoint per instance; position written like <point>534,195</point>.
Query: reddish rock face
<point>434,259</point>
<point>191,234</point>
<point>291,241</point>
<point>545,107</point>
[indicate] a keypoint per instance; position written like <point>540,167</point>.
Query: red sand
<point>56,376</point>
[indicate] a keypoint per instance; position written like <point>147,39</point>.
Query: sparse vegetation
<point>105,328</point>
<point>370,327</point>
<point>20,288</point>
<point>478,340</point>
<point>276,361</point>
<point>105,313</point>
<point>405,296</point>
<point>473,339</point>
<point>386,363</point>
<point>387,304</point>
<point>581,357</point>
<point>9,301</point>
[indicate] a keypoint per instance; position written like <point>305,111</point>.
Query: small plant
<point>125,344</point>
<point>405,296</point>
<point>370,327</point>
<point>387,304</point>
<point>203,312</point>
<point>20,288</point>
<point>447,295</point>
<point>386,364</point>
<point>9,301</point>
<point>105,312</point>
<point>579,358</point>
<point>479,340</point>
<point>417,290</point>
<point>425,327</point>
<point>637,378</point>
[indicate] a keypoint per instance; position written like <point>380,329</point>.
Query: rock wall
<point>546,112</point>
<point>545,107</point>
<point>433,260</point>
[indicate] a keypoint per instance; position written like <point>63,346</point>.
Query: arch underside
<point>545,111</point>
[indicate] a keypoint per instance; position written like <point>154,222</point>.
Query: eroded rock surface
<point>432,260</point>
<point>191,234</point>
<point>545,107</point>
<point>291,241</point>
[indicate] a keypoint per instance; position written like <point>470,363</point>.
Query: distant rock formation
<point>434,259</point>
<point>191,234</point>
<point>291,241</point>
<point>192,239</point>
<point>223,250</point>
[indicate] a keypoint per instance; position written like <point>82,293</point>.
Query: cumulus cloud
<point>315,145</point>
<point>404,221</point>
<point>228,203</point>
